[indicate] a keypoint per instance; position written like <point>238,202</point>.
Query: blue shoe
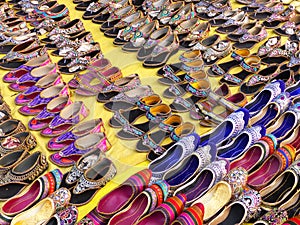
<point>191,165</point>
<point>229,128</point>
<point>272,110</point>
<point>285,123</point>
<point>184,147</point>
<point>270,91</point>
<point>241,143</point>
<point>294,90</point>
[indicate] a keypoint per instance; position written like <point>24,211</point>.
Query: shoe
<point>118,199</point>
<point>22,174</point>
<point>67,216</point>
<point>11,127</point>
<point>80,130</point>
<point>9,160</point>
<point>191,216</point>
<point>186,146</point>
<point>68,117</point>
<point>166,213</point>
<point>204,180</point>
<point>38,190</point>
<point>152,196</point>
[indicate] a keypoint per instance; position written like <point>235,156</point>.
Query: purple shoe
<point>72,153</point>
<point>67,118</point>
<point>80,130</point>
<point>39,102</point>
<point>42,120</point>
<point>29,94</point>
<point>29,79</point>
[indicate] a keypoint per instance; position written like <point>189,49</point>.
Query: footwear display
<point>91,133</point>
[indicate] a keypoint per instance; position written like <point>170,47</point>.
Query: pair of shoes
<point>118,199</point>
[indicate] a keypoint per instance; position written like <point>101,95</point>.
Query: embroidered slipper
<point>22,174</point>
<point>11,127</point>
<point>175,68</point>
<point>90,181</point>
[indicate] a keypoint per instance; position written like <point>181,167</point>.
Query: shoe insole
<point>217,22</point>
<point>235,215</point>
<point>176,67</point>
<point>53,47</point>
<point>272,24</point>
<point>217,135</point>
<point>241,75</point>
<point>65,70</point>
<point>234,37</point>
<point>144,127</point>
<point>117,105</point>
<point>265,173</point>
<point>268,117</point>
<point>285,186</point>
<point>249,9</point>
<point>82,198</point>
<point>185,172</point>
<point>249,160</point>
<point>244,45</point>
<point>130,115</point>
<point>158,60</point>
<point>274,60</point>
<point>137,208</point>
<point>227,29</point>
<point>9,190</point>
<point>140,147</point>
<point>101,19</point>
<point>170,94</point>
<point>251,90</point>
<point>4,49</point>
<point>259,103</point>
<point>238,146</point>
<point>12,65</point>
<point>224,66</point>
<point>200,186</point>
<point>176,107</point>
<point>104,97</point>
<point>167,81</point>
<point>63,62</point>
<point>286,126</point>
<point>260,16</point>
<point>22,202</point>
<point>158,217</point>
<point>156,137</point>
<point>115,200</point>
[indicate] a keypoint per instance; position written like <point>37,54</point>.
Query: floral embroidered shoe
<point>22,174</point>
<point>40,101</point>
<point>42,120</point>
<point>289,28</point>
<point>217,51</point>
<point>169,11</point>
<point>248,40</point>
<point>67,216</point>
<point>94,9</point>
<point>72,153</point>
<point>69,28</point>
<point>153,8</point>
<point>68,117</point>
<point>184,147</point>
<point>187,12</point>
<point>80,130</point>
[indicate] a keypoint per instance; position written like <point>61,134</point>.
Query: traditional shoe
<point>69,116</point>
<point>177,177</point>
<point>155,115</point>
<point>166,213</point>
<point>204,180</point>
<point>271,91</point>
<point>290,27</point>
<point>29,94</point>
<point>191,216</point>
<point>152,197</point>
<point>71,27</point>
<point>154,39</point>
<point>131,115</point>
<point>80,130</point>
<point>67,216</point>
<point>293,139</point>
<point>45,209</point>
<point>8,161</point>
<point>185,146</point>
<point>279,216</point>
<point>152,140</point>
<point>269,45</point>
<point>278,191</point>
<point>207,42</point>
<point>169,11</point>
<point>42,120</point>
<point>30,79</point>
<point>85,162</point>
<point>153,8</point>
<point>118,199</point>
<point>241,143</point>
<point>39,102</point>
<point>4,116</point>
<point>272,166</point>
<point>126,100</point>
<point>11,127</point>
<point>221,132</point>
<point>94,9</point>
<point>90,182</point>
<point>285,123</point>
<point>72,153</point>
<point>58,11</point>
<point>141,36</point>
<point>271,112</point>
<point>121,85</point>
<point>18,141</point>
<point>22,174</point>
<point>38,190</point>
<point>187,12</point>
<point>12,76</point>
